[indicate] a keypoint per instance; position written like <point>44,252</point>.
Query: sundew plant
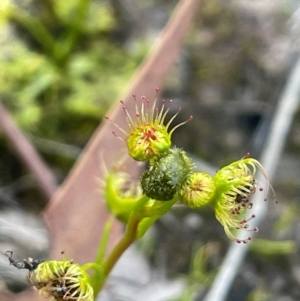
<point>170,177</point>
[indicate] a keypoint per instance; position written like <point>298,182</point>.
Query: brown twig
<point>27,153</point>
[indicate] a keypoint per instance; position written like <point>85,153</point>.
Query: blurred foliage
<point>260,294</point>
<point>288,217</point>
<point>61,65</point>
<point>269,248</point>
<point>200,275</point>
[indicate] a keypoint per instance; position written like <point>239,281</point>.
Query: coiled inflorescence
<point>170,173</point>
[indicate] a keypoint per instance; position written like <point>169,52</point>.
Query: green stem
<point>98,277</point>
<point>104,241</point>
<point>128,238</point>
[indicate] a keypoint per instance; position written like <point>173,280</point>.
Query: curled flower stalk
<point>235,183</point>
<point>147,136</point>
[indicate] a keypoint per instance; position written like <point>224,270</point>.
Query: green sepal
<point>119,203</point>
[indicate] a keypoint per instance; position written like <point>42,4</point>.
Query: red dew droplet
<point>143,97</point>
<point>247,154</point>
<point>171,101</point>
<point>106,117</point>
<point>238,241</point>
<point>122,101</point>
<point>261,189</point>
<point>133,96</point>
<point>179,109</point>
<point>255,230</point>
<point>191,117</point>
<point>157,90</point>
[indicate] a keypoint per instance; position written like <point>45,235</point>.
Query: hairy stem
<point>128,238</point>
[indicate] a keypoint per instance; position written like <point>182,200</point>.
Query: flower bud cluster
<point>170,173</point>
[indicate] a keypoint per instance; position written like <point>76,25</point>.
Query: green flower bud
<point>166,175</point>
<point>62,280</point>
<point>147,137</point>
<point>198,190</point>
<point>147,141</point>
